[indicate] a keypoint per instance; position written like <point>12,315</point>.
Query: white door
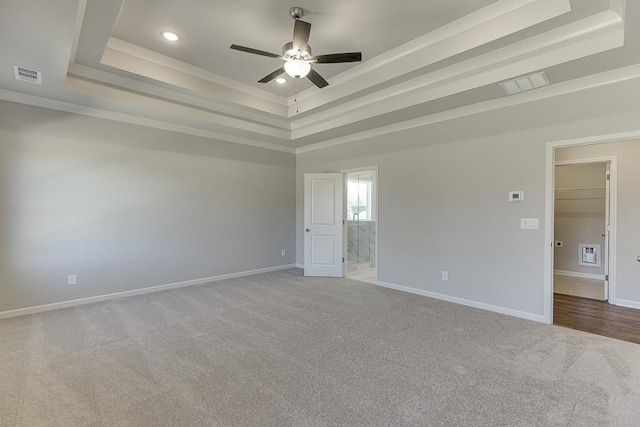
<point>323,224</point>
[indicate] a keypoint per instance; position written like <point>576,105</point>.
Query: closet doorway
<point>361,224</point>
<point>582,228</point>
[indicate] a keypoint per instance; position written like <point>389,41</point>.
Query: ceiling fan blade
<point>268,78</point>
<point>317,79</point>
<point>254,51</point>
<point>335,58</point>
<point>301,31</point>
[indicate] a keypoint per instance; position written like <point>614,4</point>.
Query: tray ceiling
<point>424,62</point>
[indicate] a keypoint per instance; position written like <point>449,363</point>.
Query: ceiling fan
<point>297,54</point>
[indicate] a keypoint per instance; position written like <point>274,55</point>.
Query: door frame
<point>550,210</point>
<point>610,214</point>
<point>345,236</point>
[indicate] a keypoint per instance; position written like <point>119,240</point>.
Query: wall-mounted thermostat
<point>516,196</point>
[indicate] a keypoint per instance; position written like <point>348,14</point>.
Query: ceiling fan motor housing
<point>288,52</point>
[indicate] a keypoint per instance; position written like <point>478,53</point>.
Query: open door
<point>323,224</point>
<point>607,231</point>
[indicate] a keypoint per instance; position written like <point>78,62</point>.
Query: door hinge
<point>343,222</point>
<point>606,278</point>
<point>342,259</point>
<point>608,177</point>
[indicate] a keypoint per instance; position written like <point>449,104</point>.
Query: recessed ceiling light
<point>281,80</point>
<point>172,37</point>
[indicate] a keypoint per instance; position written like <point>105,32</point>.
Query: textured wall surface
<point>126,207</point>
<point>443,193</point>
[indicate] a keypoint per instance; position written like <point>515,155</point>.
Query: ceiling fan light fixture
<point>297,68</point>
<point>290,52</point>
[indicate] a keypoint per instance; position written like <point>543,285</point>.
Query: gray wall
<point>443,194</point>
<point>628,233</point>
<point>127,207</point>
<point>579,215</point>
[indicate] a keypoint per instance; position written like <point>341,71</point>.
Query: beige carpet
<point>279,349</point>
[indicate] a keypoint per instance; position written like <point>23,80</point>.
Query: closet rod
<point>582,198</point>
<point>581,188</point>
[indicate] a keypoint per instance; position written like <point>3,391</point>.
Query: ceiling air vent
<point>523,84</point>
<point>27,75</point>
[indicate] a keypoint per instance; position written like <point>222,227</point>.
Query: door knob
<point>307,230</point>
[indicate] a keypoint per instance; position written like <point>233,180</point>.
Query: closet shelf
<point>581,193</point>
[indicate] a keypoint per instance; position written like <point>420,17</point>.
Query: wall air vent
<point>526,83</point>
<point>27,75</point>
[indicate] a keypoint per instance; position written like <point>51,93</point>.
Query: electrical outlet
<point>445,275</point>
<point>72,279</point>
<point>283,253</point>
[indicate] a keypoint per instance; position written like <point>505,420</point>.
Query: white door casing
<point>611,204</point>
<point>323,224</point>
<point>607,231</point>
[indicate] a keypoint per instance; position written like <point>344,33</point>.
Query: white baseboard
<point>580,275</point>
<point>627,303</point>
<point>502,310</point>
<point>300,266</point>
<point>116,295</point>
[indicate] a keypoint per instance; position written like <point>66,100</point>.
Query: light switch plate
<point>529,223</point>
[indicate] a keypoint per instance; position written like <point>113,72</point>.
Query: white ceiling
<point>208,29</point>
<point>423,62</point>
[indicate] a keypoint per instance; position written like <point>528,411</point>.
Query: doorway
<point>581,229</point>
<point>361,225</point>
<point>588,151</point>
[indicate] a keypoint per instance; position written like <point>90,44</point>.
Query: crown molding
<point>589,36</point>
<point>619,7</point>
<point>196,84</point>
<point>175,95</point>
<point>246,115</point>
<point>176,112</point>
<point>585,83</point>
<point>610,77</point>
<point>82,8</point>
<point>168,62</point>
<point>52,104</point>
<point>485,25</point>
<point>490,23</point>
